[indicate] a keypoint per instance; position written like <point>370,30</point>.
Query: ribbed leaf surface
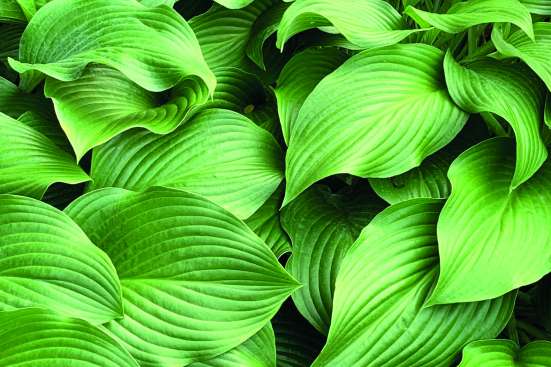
<point>506,353</point>
<point>538,6</point>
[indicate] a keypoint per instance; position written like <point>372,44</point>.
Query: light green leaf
<point>487,229</point>
<point>102,103</point>
<point>466,14</point>
<point>196,280</point>
<point>46,260</point>
<point>35,337</point>
<point>219,154</point>
<point>234,4</point>
<point>378,314</point>
<point>506,353</point>
<point>30,162</point>
<point>534,53</point>
<point>510,91</point>
<point>365,23</point>
<point>153,47</point>
<point>429,180</point>
<point>322,226</point>
<point>299,77</point>
<point>266,223</point>
<point>538,6</point>
<point>258,351</point>
<point>10,11</point>
<point>408,116</point>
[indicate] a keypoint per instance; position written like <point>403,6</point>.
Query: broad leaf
<point>10,11</point>
<point>510,91</point>
<point>485,228</point>
<point>153,47</point>
<point>408,116</point>
<point>30,162</point>
<point>46,260</point>
<point>299,77</point>
<point>219,154</point>
<point>322,226</point>
<point>538,6</point>
<point>378,314</point>
<point>36,337</point>
<point>196,280</point>
<point>506,353</point>
<point>9,43</point>
<point>234,4</point>
<point>466,14</point>
<point>365,23</point>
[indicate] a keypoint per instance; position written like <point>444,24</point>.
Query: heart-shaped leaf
<point>506,353</point>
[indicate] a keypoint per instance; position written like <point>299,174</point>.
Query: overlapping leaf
<point>407,116</point>
<point>378,314</point>
<point>219,154</point>
<point>538,6</point>
<point>46,260</point>
<point>196,280</point>
<point>506,353</point>
<point>10,11</point>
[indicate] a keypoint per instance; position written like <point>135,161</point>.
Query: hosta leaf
<point>258,351</point>
<point>219,154</point>
<point>408,116</point>
<point>46,260</point>
<point>266,223</point>
<point>538,6</point>
<point>378,314</point>
<point>9,42</point>
<point>535,54</point>
<point>30,162</point>
<point>234,4</point>
<point>506,353</point>
<point>366,23</point>
<point>322,226</point>
<point>466,14</point>
<point>486,229</point>
<point>103,103</point>
<point>153,47</point>
<point>547,112</point>
<point>510,91</point>
<point>14,102</point>
<point>10,11</point>
<point>35,337</point>
<point>299,77</point>
<point>196,280</point>
<point>429,180</point>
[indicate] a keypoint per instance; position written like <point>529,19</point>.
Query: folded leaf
<point>509,91</point>
<point>408,116</point>
<point>466,14</point>
<point>299,77</point>
<point>534,53</point>
<point>102,103</point>
<point>36,337</point>
<point>485,228</point>
<point>153,47</point>
<point>46,260</point>
<point>322,226</point>
<point>219,154</point>
<point>257,351</point>
<point>196,280</point>
<point>538,6</point>
<point>378,314</point>
<point>30,162</point>
<point>366,23</point>
<point>506,353</point>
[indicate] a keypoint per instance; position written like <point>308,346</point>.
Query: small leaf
<point>48,261</point>
<point>506,353</point>
<point>36,337</point>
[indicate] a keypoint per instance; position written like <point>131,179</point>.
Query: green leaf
<point>48,261</point>
<point>322,226</point>
<point>466,14</point>
<point>429,180</point>
<point>542,7</point>
<point>298,79</point>
<point>266,223</point>
<point>153,47</point>
<point>234,4</point>
<point>9,43</point>
<point>30,162</point>
<point>11,12</point>
<point>14,102</point>
<point>219,154</point>
<point>36,337</point>
<point>102,103</point>
<point>258,351</point>
<point>533,53</point>
<point>408,117</point>
<point>507,90</point>
<point>506,353</point>
<point>547,112</point>
<point>378,314</point>
<point>196,280</point>
<point>365,23</point>
<point>486,229</point>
